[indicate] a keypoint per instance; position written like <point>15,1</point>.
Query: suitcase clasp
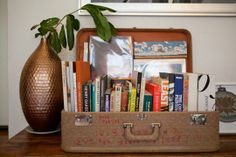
<point>83,120</point>
<point>198,119</point>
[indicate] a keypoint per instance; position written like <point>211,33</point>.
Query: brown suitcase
<point>141,131</point>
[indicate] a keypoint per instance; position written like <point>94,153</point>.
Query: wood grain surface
<point>29,145</point>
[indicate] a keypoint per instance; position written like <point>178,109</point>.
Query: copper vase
<point>41,92</point>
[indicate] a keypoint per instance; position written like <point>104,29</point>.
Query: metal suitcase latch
<point>83,120</point>
<point>198,119</point>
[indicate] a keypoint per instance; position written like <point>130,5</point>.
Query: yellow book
<point>133,100</point>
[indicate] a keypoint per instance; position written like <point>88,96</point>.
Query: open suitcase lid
<point>144,35</point>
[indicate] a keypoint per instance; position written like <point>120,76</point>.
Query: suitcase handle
<point>133,137</point>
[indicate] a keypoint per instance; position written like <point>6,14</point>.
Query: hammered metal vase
<point>41,92</point>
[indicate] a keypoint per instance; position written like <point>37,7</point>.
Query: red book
<point>155,90</point>
<point>82,76</point>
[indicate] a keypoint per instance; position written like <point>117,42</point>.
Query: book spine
<point>72,86</point>
<point>97,94</point>
<point>129,85</point>
<point>75,91</point>
<point>103,87</point>
<point>147,102</point>
<point>164,94</point>
<point>63,69</point>
<point>155,90</point>
<point>185,93</point>
<point>138,90</point>
<point>85,98</point>
<point>117,103</point>
<point>93,93</point>
<point>133,99</point>
<point>192,91</point>
<point>107,100</point>
<point>178,93</point>
<point>112,101</point>
<point>142,91</point>
<point>171,100</point>
<point>68,86</point>
<point>82,76</point>
<point>124,101</point>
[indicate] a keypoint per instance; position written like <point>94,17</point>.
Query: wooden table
<point>25,144</point>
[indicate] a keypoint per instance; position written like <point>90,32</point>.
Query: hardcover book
<point>171,96</point>
<point>155,90</point>
<point>147,106</point>
<point>178,92</point>
<point>82,76</point>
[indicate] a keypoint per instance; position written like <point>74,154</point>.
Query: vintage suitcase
<point>140,131</point>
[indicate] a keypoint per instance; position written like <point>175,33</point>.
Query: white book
<point>192,91</point>
<point>75,91</point>
<point>142,91</point>
<point>117,101</point>
<point>97,94</point>
<point>206,92</point>
<point>68,85</point>
<point>71,79</point>
<point>63,69</point>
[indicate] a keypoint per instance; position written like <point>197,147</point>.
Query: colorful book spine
<point>164,95</point>
<point>132,99</point>
<point>117,102</point>
<point>185,92</point>
<point>107,100</point>
<point>155,90</point>
<point>147,106</point>
<point>82,76</point>
<point>103,87</point>
<point>178,92</point>
<point>93,93</point>
<point>142,92</point>
<point>86,98</point>
<point>97,94</point>
<point>171,96</point>
<point>136,81</point>
<point>129,86</point>
<point>112,101</point>
<point>124,101</point>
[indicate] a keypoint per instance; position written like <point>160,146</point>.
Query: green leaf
<point>55,42</point>
<point>70,31</point>
<point>102,25</point>
<point>76,24</point>
<point>50,22</point>
<point>62,36</point>
<point>33,27</point>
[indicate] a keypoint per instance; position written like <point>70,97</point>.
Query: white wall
<point>213,41</point>
<point>3,65</point>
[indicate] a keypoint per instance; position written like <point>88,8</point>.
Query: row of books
<point>168,92</point>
